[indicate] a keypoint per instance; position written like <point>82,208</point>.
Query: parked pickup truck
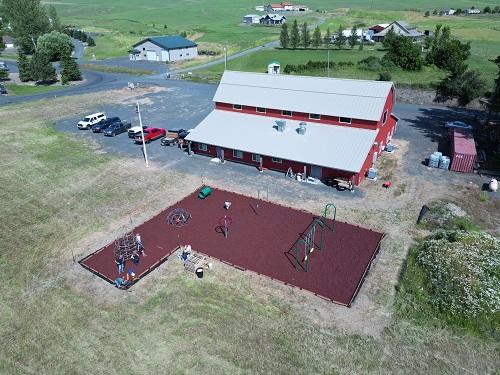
<point>135,130</point>
<point>150,134</point>
<point>117,128</point>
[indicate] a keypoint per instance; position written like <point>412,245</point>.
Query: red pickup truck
<point>150,134</point>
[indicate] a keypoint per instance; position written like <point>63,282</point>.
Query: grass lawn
<point>62,196</point>
<point>120,24</point>
<point>116,69</point>
<point>30,89</point>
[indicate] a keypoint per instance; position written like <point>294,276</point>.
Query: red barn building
<point>325,127</point>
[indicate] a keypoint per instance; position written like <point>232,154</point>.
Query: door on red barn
<point>220,153</point>
<point>316,172</point>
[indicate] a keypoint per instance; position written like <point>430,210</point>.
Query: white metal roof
<point>331,146</point>
<point>352,98</point>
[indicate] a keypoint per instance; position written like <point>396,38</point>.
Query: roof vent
<point>280,125</point>
<point>302,128</point>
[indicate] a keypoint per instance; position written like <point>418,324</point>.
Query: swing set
<point>313,237</point>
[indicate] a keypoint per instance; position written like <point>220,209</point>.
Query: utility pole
<point>225,57</point>
<point>328,63</point>
<point>142,136</point>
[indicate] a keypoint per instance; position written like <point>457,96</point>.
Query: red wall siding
<point>298,116</point>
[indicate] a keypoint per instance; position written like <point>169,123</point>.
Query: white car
<point>135,130</point>
<point>91,120</point>
<point>457,124</point>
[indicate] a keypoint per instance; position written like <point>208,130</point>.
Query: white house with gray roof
<point>164,48</point>
<point>401,28</point>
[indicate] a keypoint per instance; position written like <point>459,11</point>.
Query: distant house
<point>471,11</point>
<point>164,48</point>
<point>273,19</point>
<point>283,6</point>
<point>300,8</point>
<point>401,28</point>
<point>362,35</point>
<point>8,42</point>
<point>448,12</point>
<point>260,8</point>
<point>251,18</point>
<point>378,28</point>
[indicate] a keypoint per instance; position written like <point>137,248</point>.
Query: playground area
<point>324,256</point>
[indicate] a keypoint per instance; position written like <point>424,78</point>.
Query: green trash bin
<point>205,192</point>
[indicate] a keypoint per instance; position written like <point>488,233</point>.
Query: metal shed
<point>463,151</point>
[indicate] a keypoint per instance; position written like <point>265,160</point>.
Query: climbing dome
<point>178,217</point>
<point>125,246</point>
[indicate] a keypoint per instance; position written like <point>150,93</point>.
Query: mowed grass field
<point>61,196</point>
<point>483,33</point>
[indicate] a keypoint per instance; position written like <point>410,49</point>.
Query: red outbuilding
<point>320,127</point>
<point>463,150</point>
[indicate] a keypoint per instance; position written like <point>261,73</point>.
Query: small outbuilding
<point>251,19</point>
<point>164,48</point>
<point>8,41</point>
<point>463,150</point>
<point>273,67</point>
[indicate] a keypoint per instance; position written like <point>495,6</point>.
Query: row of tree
<point>80,35</point>
<point>301,37</point>
<point>37,31</point>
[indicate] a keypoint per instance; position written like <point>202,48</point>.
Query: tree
<point>458,11</point>
<point>340,38</point>
<point>328,37</point>
<point>404,53</point>
<point>435,12</point>
<point>54,19</point>
<point>464,85</point>
<point>353,38</point>
<point>487,9</point>
<point>4,75</point>
<point>24,66</point>
<point>496,9</point>
<point>294,35</point>
<point>446,52</point>
<point>41,68</point>
<point>316,39</point>
<point>427,14</point>
<point>70,70</point>
<point>90,41</point>
<point>28,20</point>
<point>305,35</point>
<point>494,101</point>
<point>55,45</point>
<point>284,37</point>
<point>390,36</point>
<point>361,45</point>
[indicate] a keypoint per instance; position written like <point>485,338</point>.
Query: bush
<point>463,272</point>
<point>384,76</point>
<point>370,63</point>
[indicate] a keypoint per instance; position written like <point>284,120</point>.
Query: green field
<point>61,196</point>
<point>30,89</point>
<point>482,32</point>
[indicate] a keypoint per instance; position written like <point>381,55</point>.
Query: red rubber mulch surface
<point>260,239</point>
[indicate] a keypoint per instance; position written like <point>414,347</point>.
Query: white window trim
<point>257,110</point>
<point>256,158</point>
<point>235,154</point>
<point>283,113</point>
<point>202,147</point>
<point>344,122</point>
<point>277,160</point>
<point>238,109</point>
<point>314,118</point>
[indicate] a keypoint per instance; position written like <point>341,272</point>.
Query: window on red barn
<point>277,160</point>
<point>345,120</point>
<point>202,147</point>
<point>314,116</point>
<point>261,110</point>
<point>256,157</point>
<point>238,154</point>
<point>287,113</point>
<point>385,117</point>
<point>237,106</point>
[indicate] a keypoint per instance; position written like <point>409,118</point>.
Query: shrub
<point>463,272</point>
<point>427,14</point>
<point>370,63</point>
<point>384,76</point>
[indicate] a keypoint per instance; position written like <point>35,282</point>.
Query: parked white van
<point>91,120</point>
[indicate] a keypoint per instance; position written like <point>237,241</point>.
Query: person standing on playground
<point>138,244</point>
<point>120,262</point>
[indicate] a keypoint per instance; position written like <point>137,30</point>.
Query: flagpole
<point>142,135</point>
